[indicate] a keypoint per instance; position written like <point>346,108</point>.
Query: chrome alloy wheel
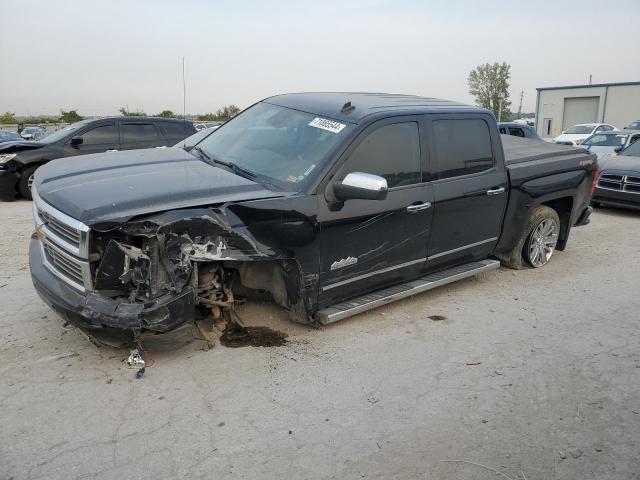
<point>542,242</point>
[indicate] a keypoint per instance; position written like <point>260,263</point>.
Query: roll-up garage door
<point>580,110</point>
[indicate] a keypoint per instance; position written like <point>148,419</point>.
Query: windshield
<point>580,129</point>
<point>632,150</point>
<point>9,135</point>
<point>633,126</point>
<point>602,140</point>
<point>63,132</point>
<point>281,145</point>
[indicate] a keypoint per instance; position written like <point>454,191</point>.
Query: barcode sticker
<point>328,125</point>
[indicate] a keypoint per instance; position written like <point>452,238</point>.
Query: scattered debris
<point>484,421</point>
<point>473,363</point>
<point>576,453</point>
<point>135,360</point>
<point>140,373</point>
<point>598,449</point>
<point>66,355</point>
<point>373,400</point>
<point>4,285</point>
<point>109,381</point>
<point>437,318</point>
<point>562,455</point>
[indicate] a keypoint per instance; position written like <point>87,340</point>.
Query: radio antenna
<point>184,104</point>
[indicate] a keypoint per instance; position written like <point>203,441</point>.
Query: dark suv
<point>20,159</point>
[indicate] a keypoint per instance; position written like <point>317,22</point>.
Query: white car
<point>578,133</point>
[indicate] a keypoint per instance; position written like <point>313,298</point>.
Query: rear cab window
<point>173,131</point>
<point>462,147</point>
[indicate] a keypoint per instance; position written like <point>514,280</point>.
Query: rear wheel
<point>537,242</point>
<point>26,181</point>
<point>542,240</point>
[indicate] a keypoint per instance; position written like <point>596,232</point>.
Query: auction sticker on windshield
<point>328,125</point>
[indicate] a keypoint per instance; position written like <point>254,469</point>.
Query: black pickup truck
<point>328,204</point>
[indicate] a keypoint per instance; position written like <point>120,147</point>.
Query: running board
<point>376,299</point>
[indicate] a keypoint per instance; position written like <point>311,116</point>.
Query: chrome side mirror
<point>358,185</point>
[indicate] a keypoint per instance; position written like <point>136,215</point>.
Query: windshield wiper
<point>236,169</point>
<point>203,155</point>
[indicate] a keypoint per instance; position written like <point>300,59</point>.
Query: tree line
<point>71,116</point>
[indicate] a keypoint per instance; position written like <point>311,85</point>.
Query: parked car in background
<point>619,183</point>
<point>607,143</point>
<point>28,133</point>
<point>633,125</point>
<point>576,134</point>
<point>202,126</point>
<point>20,159</point>
<point>326,203</point>
<point>190,142</point>
<point>7,136</point>
<point>518,130</point>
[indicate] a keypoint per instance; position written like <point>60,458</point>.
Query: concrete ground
<point>534,374</point>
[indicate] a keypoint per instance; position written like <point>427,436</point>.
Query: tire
<point>596,204</point>
<point>537,242</point>
<point>26,178</point>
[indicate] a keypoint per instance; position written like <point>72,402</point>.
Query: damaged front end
<point>160,272</point>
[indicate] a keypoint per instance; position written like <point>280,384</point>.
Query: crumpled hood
<point>621,163</point>
<point>17,145</point>
<point>111,188</point>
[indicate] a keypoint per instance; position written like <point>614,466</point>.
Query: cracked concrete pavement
<point>534,373</point>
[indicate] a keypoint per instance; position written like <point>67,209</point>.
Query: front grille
<point>64,242</point>
<point>68,233</point>
<point>610,185</point>
<point>620,183</point>
<point>65,264</point>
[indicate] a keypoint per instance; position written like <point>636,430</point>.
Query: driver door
<point>367,244</point>
<point>95,139</point>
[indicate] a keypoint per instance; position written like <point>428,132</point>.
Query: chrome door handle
<point>418,207</point>
<point>495,191</point>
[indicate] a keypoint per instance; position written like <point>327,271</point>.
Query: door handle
<point>495,191</point>
<point>418,207</point>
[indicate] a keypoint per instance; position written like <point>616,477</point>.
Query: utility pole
<point>520,107</point>
<point>590,78</point>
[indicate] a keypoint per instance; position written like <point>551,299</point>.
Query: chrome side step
<point>352,307</point>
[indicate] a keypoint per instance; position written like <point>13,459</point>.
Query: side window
<point>462,147</point>
<point>172,130</point>
<point>516,132</point>
<point>607,128</point>
<point>138,132</point>
<point>634,139</point>
<point>392,152</point>
<point>102,135</point>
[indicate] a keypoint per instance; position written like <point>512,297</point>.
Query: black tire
<point>596,204</point>
<point>23,184</point>
<point>521,256</point>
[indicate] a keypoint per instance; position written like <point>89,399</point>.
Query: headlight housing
<point>7,157</point>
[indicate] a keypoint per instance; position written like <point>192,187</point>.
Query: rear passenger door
<point>136,134</point>
<point>173,132</point>
<point>470,187</point>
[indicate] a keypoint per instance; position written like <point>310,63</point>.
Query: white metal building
<point>558,108</point>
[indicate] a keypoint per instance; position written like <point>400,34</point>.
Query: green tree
<point>222,114</point>
<point>72,116</point>
<point>489,84</point>
<point>127,113</point>
<point>166,114</point>
<point>8,118</point>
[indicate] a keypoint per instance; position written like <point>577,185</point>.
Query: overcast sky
<point>99,56</point>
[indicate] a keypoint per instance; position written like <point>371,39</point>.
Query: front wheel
<point>26,182</point>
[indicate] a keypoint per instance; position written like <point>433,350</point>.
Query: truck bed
<point>519,150</point>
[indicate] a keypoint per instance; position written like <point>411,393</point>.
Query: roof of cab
<point>333,104</point>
